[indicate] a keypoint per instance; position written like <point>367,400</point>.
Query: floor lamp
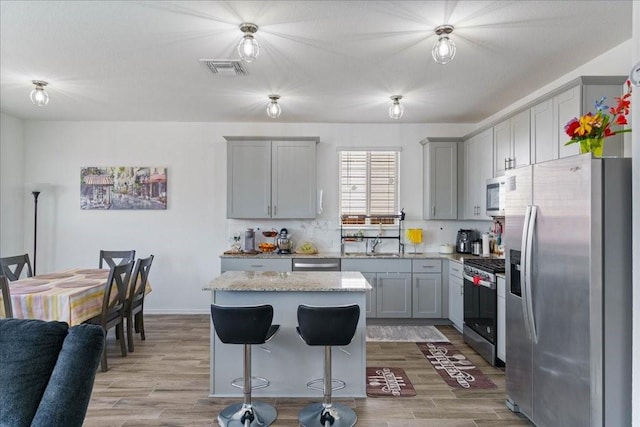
<point>35,228</point>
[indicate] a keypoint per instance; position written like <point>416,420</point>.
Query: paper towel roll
<point>485,244</point>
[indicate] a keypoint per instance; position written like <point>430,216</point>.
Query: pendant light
<point>444,49</point>
<point>38,95</point>
<point>273,108</point>
<point>396,110</point>
<point>248,47</point>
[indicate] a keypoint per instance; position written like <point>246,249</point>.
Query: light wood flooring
<point>165,382</point>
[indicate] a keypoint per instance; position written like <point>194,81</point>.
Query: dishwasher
<point>316,264</point>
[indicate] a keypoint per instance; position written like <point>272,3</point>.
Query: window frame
<point>369,217</point>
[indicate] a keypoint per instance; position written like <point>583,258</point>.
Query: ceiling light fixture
<point>396,110</point>
<point>248,47</point>
<point>38,95</point>
<point>273,108</point>
<point>444,49</point>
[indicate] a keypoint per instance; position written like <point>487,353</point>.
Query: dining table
<point>72,296</point>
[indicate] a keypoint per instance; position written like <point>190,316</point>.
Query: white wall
<point>189,236</point>
<point>11,186</point>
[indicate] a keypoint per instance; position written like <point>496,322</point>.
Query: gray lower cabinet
<point>456,295</point>
<point>255,264</point>
<point>427,295</point>
<point>391,282</point>
<point>427,288</point>
<point>393,297</point>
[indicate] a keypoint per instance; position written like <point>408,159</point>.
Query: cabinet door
<point>521,139</point>
<point>440,185</point>
<point>542,141</point>
<point>470,173</point>
<point>393,294</point>
<point>566,106</point>
<point>248,179</point>
<point>371,295</point>
<point>456,303</point>
<point>293,188</point>
<point>501,147</point>
<point>427,295</point>
<point>484,161</point>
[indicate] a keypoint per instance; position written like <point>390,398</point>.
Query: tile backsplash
<point>325,235</point>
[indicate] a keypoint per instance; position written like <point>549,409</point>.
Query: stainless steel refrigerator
<point>568,314</point>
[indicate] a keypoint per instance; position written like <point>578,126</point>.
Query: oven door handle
<point>484,283</point>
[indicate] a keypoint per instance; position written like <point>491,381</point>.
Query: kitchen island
<point>286,360</point>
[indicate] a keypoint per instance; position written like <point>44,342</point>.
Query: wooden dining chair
<point>113,258</point>
<point>135,300</point>
<point>12,266</point>
<point>6,297</point>
<point>113,303</point>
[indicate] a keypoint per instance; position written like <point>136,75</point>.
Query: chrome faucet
<point>375,243</point>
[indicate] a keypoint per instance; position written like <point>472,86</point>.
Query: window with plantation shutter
<point>368,186</point>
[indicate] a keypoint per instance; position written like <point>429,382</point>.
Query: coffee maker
<point>464,241</point>
<point>249,243</point>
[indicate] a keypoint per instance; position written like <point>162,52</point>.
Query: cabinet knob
<point>269,210</point>
<point>433,211</point>
<point>506,163</point>
<point>275,210</point>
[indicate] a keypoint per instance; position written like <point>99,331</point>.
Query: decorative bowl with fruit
<point>266,247</point>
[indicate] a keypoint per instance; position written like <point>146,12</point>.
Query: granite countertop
<point>354,255</point>
<point>296,281</point>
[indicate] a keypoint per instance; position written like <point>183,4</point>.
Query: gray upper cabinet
<point>478,167</point>
<point>512,143</point>
<point>549,117</point>
<point>440,185</point>
<point>271,179</point>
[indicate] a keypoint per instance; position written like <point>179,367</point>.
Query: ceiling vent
<point>225,67</point>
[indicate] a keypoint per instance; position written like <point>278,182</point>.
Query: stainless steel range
<point>480,329</point>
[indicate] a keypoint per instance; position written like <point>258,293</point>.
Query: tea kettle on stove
<point>283,242</point>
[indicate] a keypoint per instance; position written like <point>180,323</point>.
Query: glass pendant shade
<point>444,49</point>
<point>248,48</point>
<point>273,108</point>
<point>396,110</point>
<point>38,95</point>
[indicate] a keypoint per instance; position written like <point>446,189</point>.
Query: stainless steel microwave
<point>495,194</point>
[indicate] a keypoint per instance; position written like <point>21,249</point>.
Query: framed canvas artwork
<point>123,187</point>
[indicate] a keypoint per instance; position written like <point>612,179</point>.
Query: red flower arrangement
<point>591,129</point>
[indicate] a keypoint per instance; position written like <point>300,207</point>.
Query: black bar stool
<point>327,326</point>
<point>245,325</point>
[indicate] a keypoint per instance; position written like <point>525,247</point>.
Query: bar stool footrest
<point>312,384</point>
<point>262,383</point>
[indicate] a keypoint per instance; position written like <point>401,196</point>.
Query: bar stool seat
<point>327,326</point>
<point>245,325</point>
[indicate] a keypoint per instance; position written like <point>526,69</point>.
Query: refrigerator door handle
<point>529,258</point>
<point>523,271</point>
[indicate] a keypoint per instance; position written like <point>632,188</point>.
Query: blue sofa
<point>47,372</point>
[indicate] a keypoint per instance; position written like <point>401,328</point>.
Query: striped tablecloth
<point>71,296</point>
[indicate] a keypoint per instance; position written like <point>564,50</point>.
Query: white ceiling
<point>330,61</point>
